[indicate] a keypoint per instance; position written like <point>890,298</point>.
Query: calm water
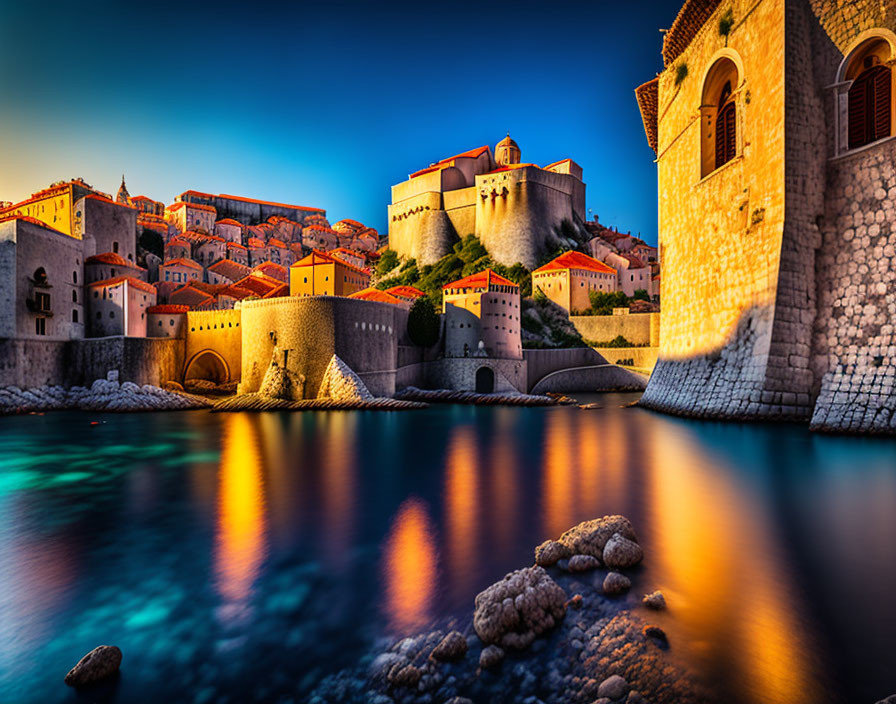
<point>244,557</point>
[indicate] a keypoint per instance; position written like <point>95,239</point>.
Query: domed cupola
<point>507,152</point>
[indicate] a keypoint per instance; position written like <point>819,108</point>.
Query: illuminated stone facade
<point>515,209</point>
<point>778,262</point>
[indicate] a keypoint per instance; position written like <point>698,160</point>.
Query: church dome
<point>507,152</point>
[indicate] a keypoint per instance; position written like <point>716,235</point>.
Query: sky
<point>327,104</point>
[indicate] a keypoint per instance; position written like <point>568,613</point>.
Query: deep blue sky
<point>327,105</point>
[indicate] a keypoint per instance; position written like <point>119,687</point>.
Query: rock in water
<point>590,537</point>
<point>550,552</point>
<point>620,552</point>
<point>583,563</point>
<point>614,687</point>
<point>99,664</point>
<point>655,601</point>
<point>889,700</point>
<point>615,583</point>
<point>342,384</point>
<point>407,676</point>
<point>451,647</point>
<point>513,612</point>
<point>491,657</point>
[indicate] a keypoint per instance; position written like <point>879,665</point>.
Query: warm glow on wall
<point>559,483</point>
<point>409,567</point>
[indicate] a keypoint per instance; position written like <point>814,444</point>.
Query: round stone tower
<point>507,152</point>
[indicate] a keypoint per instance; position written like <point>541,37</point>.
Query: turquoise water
<point>239,558</point>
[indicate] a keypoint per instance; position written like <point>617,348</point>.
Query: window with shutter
<point>726,134</point>
<point>868,116</point>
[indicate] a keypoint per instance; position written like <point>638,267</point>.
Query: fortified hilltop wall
<point>778,267</point>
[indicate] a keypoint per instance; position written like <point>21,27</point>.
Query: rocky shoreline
<point>563,631</point>
<point>107,395</point>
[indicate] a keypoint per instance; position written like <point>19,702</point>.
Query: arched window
<point>718,115</point>
<point>870,103</point>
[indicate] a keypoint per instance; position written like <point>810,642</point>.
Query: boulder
<point>407,676</point>
<point>590,537</point>
<point>583,563</point>
<point>575,602</point>
<point>616,583</point>
<point>172,386</point>
<point>655,601</point>
<point>614,687</point>
<point>451,647</point>
<point>892,698</point>
<point>620,552</point>
<point>99,664</point>
<point>342,384</point>
<point>512,613</point>
<point>550,552</point>
<point>491,657</point>
<point>658,635</point>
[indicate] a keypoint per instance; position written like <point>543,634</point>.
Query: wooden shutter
<point>881,86</point>
<point>858,112</point>
<point>726,135</point>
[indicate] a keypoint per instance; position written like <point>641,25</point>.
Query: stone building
<point>248,211</point>
<point>569,279</point>
<point>191,216</point>
<point>515,209</point>
<point>482,317</point>
<point>118,306</point>
<point>319,274</point>
<point>180,271</point>
<point>108,265</point>
<point>54,206</point>
<point>772,122</point>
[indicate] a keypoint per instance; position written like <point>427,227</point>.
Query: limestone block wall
<point>540,363</point>
<point>518,224</point>
<point>218,331</point>
<point>460,374</point>
<point>637,328</point>
<point>420,229</point>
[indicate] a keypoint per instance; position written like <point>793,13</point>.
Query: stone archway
<point>207,365</point>
<point>485,380</point>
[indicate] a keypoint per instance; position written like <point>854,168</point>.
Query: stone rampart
<point>637,328</point>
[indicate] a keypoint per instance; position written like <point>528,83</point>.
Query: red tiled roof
<point>255,242</point>
<point>236,292</point>
<point>273,270</point>
<point>321,228</point>
<point>229,269</point>
<point>167,309</point>
<point>345,250</point>
<point>374,294</point>
<point>472,154</point>
<point>177,242</point>
<point>647,96</point>
<point>229,221</point>
<point>279,292</point>
<point>268,202</point>
<point>405,292</point>
<point>196,206</point>
<point>258,283</point>
<point>108,201</point>
<point>318,257</point>
<point>274,242</point>
<point>483,279</point>
<point>136,283</point>
<point>180,261</point>
<point>111,258</point>
<point>235,245</point>
<point>575,260</point>
<point>144,198</point>
<point>192,297</point>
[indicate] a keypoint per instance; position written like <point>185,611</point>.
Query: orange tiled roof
<point>346,250</point>
<point>281,290</point>
<point>212,238</point>
<point>258,283</point>
<point>181,261</point>
<point>647,96</point>
<point>230,269</point>
<point>167,308</point>
<point>255,242</point>
<point>111,258</point>
<point>374,294</point>
<point>235,291</point>
<point>691,18</point>
<point>575,260</point>
<point>229,221</point>
<point>30,220</point>
<point>177,242</point>
<point>318,257</point>
<point>108,201</point>
<point>192,297</point>
<point>511,167</point>
<point>136,283</point>
<point>484,279</point>
<point>196,206</point>
<point>444,163</point>
<point>145,198</point>
<point>405,292</point>
<point>273,270</point>
<point>234,245</point>
<point>274,242</point>
<point>268,202</point>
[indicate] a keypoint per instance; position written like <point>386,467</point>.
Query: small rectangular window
<point>40,326</point>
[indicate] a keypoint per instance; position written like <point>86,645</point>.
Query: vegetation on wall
<point>726,23</point>
<point>603,303</point>
<point>423,323</point>
<point>681,72</point>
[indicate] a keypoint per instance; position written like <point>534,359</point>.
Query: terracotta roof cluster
<point>318,257</point>
<point>374,294</point>
<point>273,270</point>
<point>196,206</point>
<point>484,279</point>
<point>108,201</point>
<point>167,309</point>
<point>268,202</point>
<point>229,221</point>
<point>691,18</point>
<point>192,297</point>
<point>235,245</point>
<point>177,242</point>
<point>255,242</point>
<point>575,260</point>
<point>274,242</point>
<point>114,281</point>
<point>111,258</point>
<point>647,95</point>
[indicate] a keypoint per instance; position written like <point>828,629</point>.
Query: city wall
<point>637,328</point>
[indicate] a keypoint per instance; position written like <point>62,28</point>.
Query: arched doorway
<point>485,380</point>
<point>209,366</point>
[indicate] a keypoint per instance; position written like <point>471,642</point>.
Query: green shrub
<point>603,303</point>
<point>388,261</point>
<point>618,341</point>
<point>641,295</point>
<point>423,323</point>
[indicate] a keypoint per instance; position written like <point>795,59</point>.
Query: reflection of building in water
<point>241,544</point>
<point>704,534</point>
<point>462,496</point>
<point>409,567</point>
<point>337,473</point>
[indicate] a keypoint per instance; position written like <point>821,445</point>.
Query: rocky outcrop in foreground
<point>412,393</point>
<point>342,384</point>
<point>547,634</point>
<point>102,395</point>
<point>99,664</point>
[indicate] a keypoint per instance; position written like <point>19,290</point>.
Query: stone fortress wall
<point>791,314</point>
